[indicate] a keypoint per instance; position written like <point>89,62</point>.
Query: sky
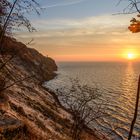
<point>83,30</point>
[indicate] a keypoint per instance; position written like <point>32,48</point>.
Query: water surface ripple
<point>118,82</point>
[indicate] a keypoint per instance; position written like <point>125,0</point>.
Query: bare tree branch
<point>81,102</point>
<point>18,81</point>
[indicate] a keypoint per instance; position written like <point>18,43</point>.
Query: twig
<point>18,81</point>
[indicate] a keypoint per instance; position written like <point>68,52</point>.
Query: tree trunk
<point>136,111</point>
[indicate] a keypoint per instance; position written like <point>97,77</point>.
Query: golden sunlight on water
<point>128,79</point>
<point>118,84</point>
<point>127,98</point>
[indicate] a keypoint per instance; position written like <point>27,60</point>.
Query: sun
<point>131,56</point>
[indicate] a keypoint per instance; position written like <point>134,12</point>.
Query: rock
<point>2,83</point>
<point>11,128</point>
<point>35,63</point>
<point>4,101</point>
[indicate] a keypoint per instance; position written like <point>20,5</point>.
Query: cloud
<point>105,35</point>
<point>67,32</point>
<point>91,26</point>
<point>91,31</point>
<point>69,2</point>
<point>66,3</point>
<point>103,21</point>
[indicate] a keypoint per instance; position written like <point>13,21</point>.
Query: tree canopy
<point>133,7</point>
<point>13,15</point>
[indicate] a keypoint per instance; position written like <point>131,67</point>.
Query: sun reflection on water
<point>128,86</point>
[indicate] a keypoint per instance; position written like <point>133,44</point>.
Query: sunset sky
<point>83,30</point>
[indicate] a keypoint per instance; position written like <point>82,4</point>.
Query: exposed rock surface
<point>27,110</point>
<point>32,61</point>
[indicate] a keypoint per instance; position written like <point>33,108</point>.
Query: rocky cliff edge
<point>27,110</point>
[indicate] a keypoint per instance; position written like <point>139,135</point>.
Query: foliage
<point>14,15</point>
<point>135,25</point>
<point>133,7</point>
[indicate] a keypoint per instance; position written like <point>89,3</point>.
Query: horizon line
<point>128,61</point>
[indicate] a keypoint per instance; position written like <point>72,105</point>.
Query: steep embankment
<point>27,110</point>
<point>31,60</point>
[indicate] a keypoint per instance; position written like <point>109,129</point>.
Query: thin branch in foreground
<point>16,82</point>
<point>80,100</point>
<point>30,42</point>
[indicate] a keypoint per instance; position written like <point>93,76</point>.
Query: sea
<point>117,81</point>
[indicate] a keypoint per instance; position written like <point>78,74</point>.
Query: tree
<point>133,7</point>
<point>136,111</point>
<point>135,25</point>
<point>82,101</point>
<point>13,17</point>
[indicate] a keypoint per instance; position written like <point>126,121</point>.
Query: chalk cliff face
<point>35,63</point>
<point>27,110</point>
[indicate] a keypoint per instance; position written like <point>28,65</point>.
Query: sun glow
<point>131,56</point>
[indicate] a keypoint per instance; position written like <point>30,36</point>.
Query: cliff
<point>27,110</point>
<point>32,61</point>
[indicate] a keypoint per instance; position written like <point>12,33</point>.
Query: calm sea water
<point>118,83</point>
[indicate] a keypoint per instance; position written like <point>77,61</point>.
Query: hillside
<point>27,110</point>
